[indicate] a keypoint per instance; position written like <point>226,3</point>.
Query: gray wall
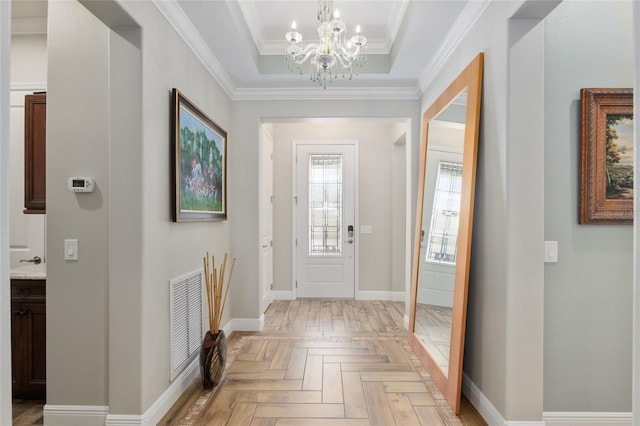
<point>588,293</point>
<point>375,141</point>
<point>108,117</point>
<point>77,145</point>
<point>503,347</point>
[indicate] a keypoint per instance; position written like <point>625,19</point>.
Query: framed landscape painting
<point>199,151</point>
<point>606,157</point>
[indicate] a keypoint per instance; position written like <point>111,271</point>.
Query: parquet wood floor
<point>433,328</point>
<point>321,362</point>
<point>316,362</point>
<point>27,412</point>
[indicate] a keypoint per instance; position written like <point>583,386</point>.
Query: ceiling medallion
<point>334,48</point>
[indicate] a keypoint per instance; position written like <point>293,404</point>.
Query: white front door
<point>325,220</point>
<point>266,237</point>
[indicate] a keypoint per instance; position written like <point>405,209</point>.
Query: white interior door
<point>325,220</point>
<point>266,238</point>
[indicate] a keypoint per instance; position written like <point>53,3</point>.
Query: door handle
<point>36,259</point>
<point>20,313</point>
<point>350,241</point>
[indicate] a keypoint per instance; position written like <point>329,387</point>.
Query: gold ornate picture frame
<point>606,156</point>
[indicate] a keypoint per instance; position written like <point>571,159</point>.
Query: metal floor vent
<point>186,320</point>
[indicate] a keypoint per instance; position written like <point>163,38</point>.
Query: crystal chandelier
<point>332,52</point>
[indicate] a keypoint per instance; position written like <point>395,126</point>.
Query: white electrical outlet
<point>550,251</point>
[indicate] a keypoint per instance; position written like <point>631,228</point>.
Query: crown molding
<point>465,22</point>
<point>396,19</point>
<point>316,93</point>
<point>172,12</point>
<point>252,20</point>
<point>28,26</point>
<point>37,86</point>
<point>277,46</point>
<point>185,29</point>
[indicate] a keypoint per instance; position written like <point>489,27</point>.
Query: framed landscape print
<point>606,156</point>
<point>199,151</point>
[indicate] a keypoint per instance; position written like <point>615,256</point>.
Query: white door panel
<point>325,193</point>
<point>266,237</point>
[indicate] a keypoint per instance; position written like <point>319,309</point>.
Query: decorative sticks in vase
<point>213,352</point>
<point>214,281</point>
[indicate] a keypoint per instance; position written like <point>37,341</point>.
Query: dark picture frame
<point>199,163</point>
<point>606,156</point>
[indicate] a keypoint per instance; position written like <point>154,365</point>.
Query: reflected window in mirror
<point>443,232</point>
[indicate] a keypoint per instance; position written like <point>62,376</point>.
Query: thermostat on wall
<point>81,184</point>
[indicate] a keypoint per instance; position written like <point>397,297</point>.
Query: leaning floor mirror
<point>444,221</point>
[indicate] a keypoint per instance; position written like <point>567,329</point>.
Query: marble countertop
<point>29,272</point>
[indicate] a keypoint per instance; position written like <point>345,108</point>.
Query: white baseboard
<point>493,417</point>
<point>161,405</point>
<point>244,324</point>
<point>489,413</point>
<point>164,403</point>
<point>485,408</point>
<point>283,295</point>
<point>87,415</point>
<point>396,296</point>
<point>75,415</point>
<point>586,419</point>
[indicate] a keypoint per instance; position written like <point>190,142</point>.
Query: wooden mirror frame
<point>450,385</point>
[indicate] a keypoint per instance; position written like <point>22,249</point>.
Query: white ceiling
<point>247,38</point>
<point>28,8</point>
<point>242,42</point>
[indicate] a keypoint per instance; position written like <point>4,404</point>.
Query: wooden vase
<point>213,357</point>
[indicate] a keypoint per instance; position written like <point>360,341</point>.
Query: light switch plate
<point>71,249</point>
<point>366,229</point>
<point>550,251</point>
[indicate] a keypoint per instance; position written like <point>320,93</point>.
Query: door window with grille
<point>325,204</point>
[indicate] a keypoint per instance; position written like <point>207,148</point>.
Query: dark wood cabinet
<point>35,138</point>
<point>28,338</point>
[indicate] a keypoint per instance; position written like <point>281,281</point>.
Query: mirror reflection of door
<point>439,232</point>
